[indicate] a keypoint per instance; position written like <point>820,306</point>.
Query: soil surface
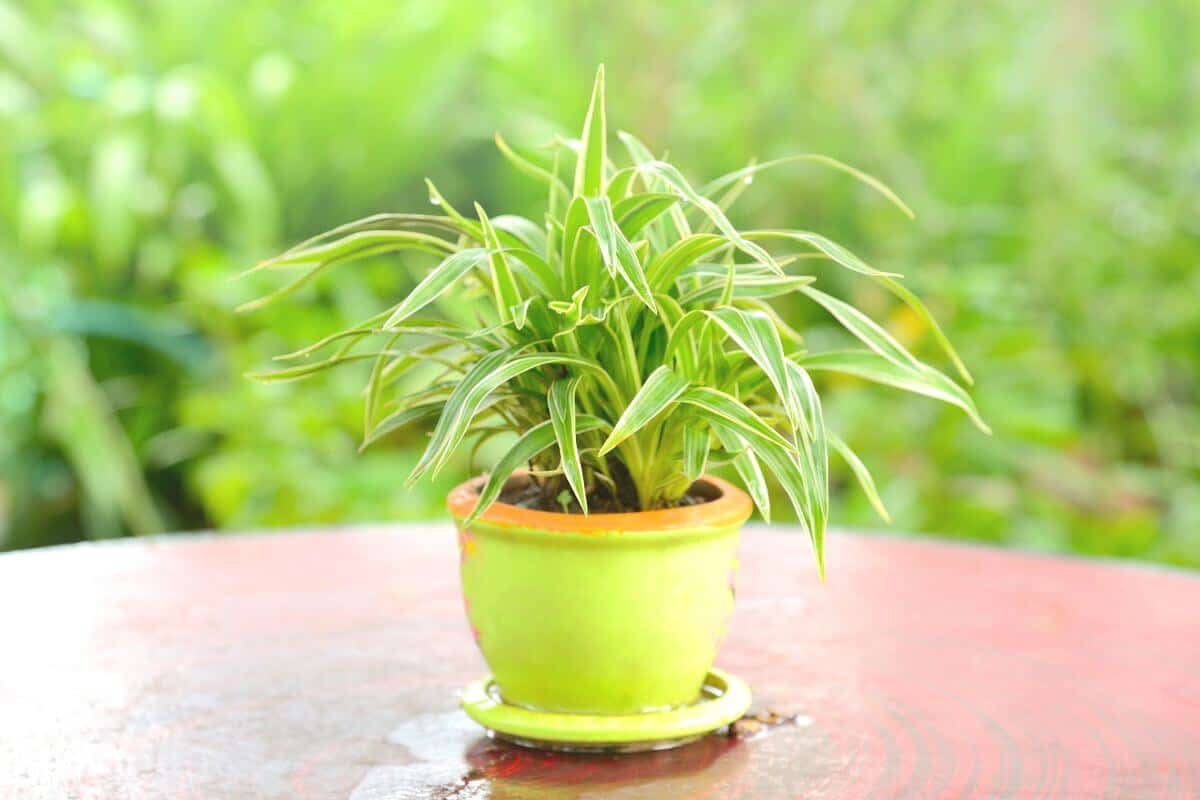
<point>525,492</point>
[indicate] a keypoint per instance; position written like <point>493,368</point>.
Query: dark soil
<point>524,491</point>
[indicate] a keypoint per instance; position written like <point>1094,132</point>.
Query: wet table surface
<point>324,664</point>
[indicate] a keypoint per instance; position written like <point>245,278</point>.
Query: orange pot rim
<point>733,507</point>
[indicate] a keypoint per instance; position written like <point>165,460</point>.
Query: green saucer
<point>723,699</point>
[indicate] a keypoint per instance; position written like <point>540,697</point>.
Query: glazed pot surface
<point>600,614</point>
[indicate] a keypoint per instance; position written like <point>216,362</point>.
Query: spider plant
<point>627,339</point>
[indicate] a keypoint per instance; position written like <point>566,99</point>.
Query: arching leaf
<point>561,401</point>
<point>659,391</point>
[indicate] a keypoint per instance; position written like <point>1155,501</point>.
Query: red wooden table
<point>325,664</point>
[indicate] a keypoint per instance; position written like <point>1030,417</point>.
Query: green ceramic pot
<point>604,613</point>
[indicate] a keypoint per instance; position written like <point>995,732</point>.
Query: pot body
<point>603,614</point>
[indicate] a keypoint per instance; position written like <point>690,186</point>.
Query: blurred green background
<point>149,150</point>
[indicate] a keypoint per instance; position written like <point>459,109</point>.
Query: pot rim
<point>732,507</point>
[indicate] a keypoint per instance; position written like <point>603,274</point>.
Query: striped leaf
<point>589,170</point>
<point>695,448</point>
<point>530,443</point>
<point>676,225</point>
<point>561,401</point>
<point>781,463</point>
<point>748,469</point>
<point>398,419</point>
<point>663,271</point>
<point>836,253</point>
<point>526,166</point>
<point>734,415</point>
<point>756,336</point>
<point>914,302</point>
<point>355,245</point>
<point>864,328</point>
<point>659,391</point>
<point>635,213</point>
<point>327,256</point>
<point>861,474</point>
<point>469,226</point>
<point>814,447</point>
<point>673,178</point>
<point>307,370</point>
<point>867,180</point>
<point>504,285</point>
<point>921,379</point>
<point>489,373</point>
<point>615,249</point>
<point>375,222</point>
<point>443,276</point>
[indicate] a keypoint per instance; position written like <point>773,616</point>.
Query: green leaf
<point>864,328</point>
<point>675,180</point>
<point>443,276</point>
<point>528,167</point>
<point>375,222</point>
<point>398,419</point>
<point>695,448</point>
<point>868,180</point>
<point>923,380</point>
<point>838,254</point>
<point>914,302</point>
<point>683,345</point>
<point>861,474</point>
<point>659,391</point>
<point>504,285</point>
<point>363,329</point>
<point>517,231</point>
<point>532,442</point>
<point>748,469</point>
<point>520,312</point>
<point>757,285</point>
<point>356,245</point>
<point>678,227</point>
<point>536,271</point>
<point>755,335</point>
<point>435,197</point>
<point>663,271</point>
<point>786,332</point>
<point>561,401</point>
<point>784,466</point>
<point>620,184</point>
<point>781,462</point>
<point>735,416</point>
<point>489,373</point>
<point>589,171</point>
<point>727,199</point>
<point>814,447</point>
<point>375,382</point>
<point>615,250</point>
<point>636,212</point>
<point>305,370</point>
<point>574,266</point>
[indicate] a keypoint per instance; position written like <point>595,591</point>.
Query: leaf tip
<point>261,265</point>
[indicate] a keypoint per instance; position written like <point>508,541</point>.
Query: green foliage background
<point>150,150</point>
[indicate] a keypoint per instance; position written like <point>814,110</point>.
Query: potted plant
<point>629,344</point>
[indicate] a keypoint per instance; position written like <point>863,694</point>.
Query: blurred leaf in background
<point>149,151</point>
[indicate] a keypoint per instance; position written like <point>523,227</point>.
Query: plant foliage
<point>627,339</point>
